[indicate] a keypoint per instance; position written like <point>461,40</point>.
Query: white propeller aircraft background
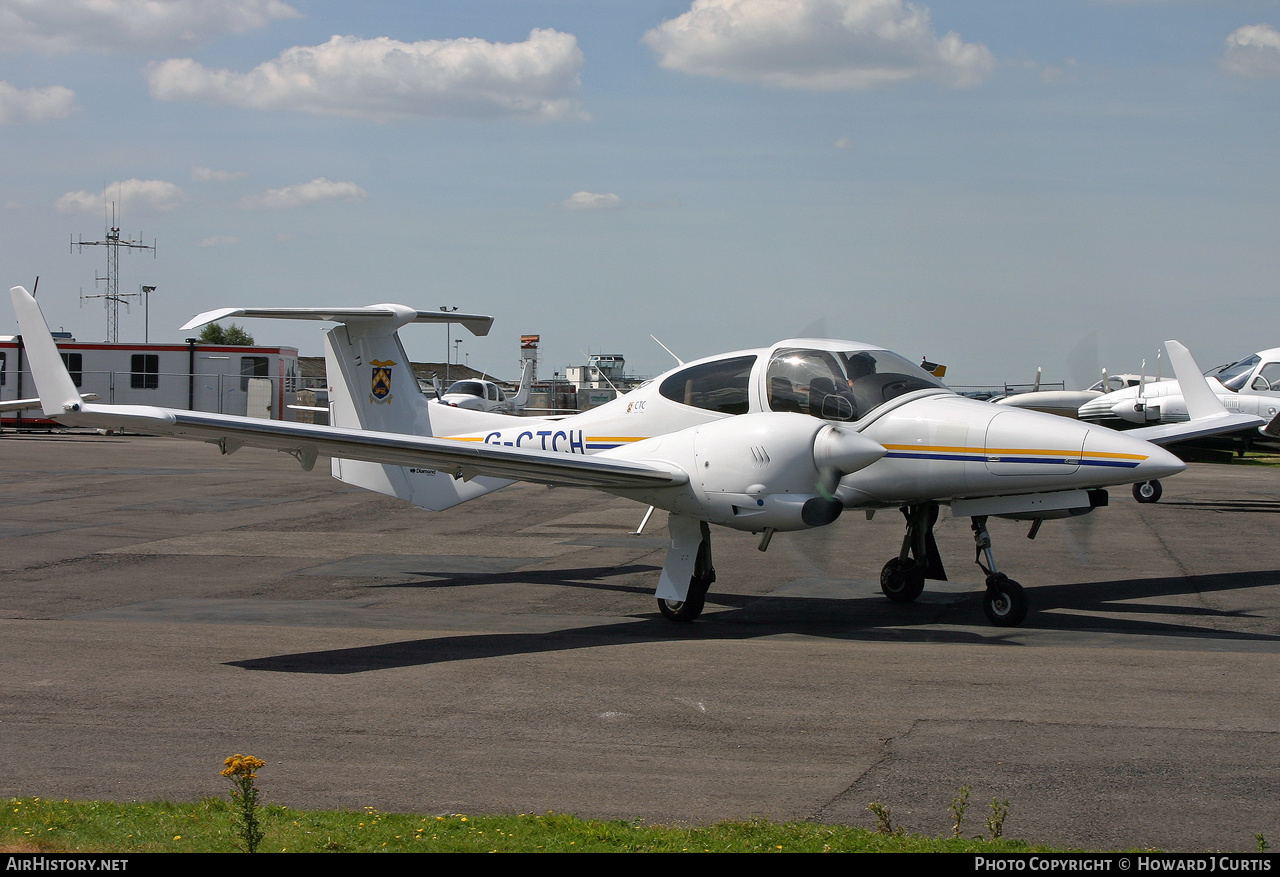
<point>1250,386</point>
<point>481,394</point>
<point>779,438</point>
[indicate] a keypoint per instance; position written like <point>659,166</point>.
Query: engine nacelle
<point>757,471</point>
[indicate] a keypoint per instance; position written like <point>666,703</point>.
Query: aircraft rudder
<point>371,381</point>
<point>58,393</point>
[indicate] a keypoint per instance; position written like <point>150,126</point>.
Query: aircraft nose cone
<point>1141,459</point>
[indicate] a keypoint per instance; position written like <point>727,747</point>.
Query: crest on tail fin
<point>381,390</point>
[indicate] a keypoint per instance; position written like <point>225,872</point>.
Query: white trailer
<point>253,381</point>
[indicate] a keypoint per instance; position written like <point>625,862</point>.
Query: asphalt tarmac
<point>163,607</point>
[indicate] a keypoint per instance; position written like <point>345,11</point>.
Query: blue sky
<point>984,183</point>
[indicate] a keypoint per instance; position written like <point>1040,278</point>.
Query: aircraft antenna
<point>601,373</point>
<point>112,297</point>
<point>667,349</point>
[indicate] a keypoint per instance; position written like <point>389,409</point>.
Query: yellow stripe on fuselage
<point>590,438</point>
<point>946,449</point>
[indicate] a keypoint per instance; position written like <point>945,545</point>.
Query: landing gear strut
<point>704,573</point>
<point>902,579</point>
<point>1005,602</point>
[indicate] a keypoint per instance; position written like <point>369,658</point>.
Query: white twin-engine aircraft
<point>780,438</point>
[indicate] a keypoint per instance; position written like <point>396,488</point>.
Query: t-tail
<point>372,387</point>
<point>521,397</point>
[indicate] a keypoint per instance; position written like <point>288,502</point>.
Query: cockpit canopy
<point>465,388</point>
<point>1233,376</point>
<point>840,384</point>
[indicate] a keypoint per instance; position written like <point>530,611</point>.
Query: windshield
<point>1233,376</point>
<point>839,385</point>
<point>466,388</point>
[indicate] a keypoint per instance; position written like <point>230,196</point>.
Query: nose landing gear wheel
<point>1147,491</point>
<point>1004,602</point>
<point>902,581</point>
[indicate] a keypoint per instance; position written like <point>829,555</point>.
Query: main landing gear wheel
<point>902,581</point>
<point>691,606</point>
<point>1147,491</point>
<point>1004,602</point>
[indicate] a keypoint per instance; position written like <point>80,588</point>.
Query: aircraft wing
<point>61,401</point>
<point>1208,416</point>
<point>306,441</point>
<point>1171,433</point>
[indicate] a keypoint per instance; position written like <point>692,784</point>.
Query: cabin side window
<point>252,367</point>
<point>720,386</point>
<point>144,371</point>
<point>3,373</point>
<point>1268,379</point>
<point>74,363</point>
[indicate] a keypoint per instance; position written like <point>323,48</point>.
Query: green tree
<point>233,334</point>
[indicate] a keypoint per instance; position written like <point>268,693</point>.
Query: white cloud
<point>817,44</point>
<point>146,197</point>
<point>219,240</point>
<point>303,194</point>
<point>209,175</point>
<point>591,201</point>
<point>130,25</point>
<point>1253,50</point>
<point>34,104</point>
<point>384,79</point>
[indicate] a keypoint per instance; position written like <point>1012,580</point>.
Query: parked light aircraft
<point>480,394</point>
<point>778,438</point>
<point>1250,386</point>
<point>1066,403</point>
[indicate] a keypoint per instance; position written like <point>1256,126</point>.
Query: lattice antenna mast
<point>113,297</point>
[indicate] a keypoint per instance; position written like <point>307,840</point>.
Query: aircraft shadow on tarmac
<point>585,577</point>
<point>936,618</point>
<point>1234,505</point>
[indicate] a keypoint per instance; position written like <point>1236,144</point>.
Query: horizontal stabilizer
<point>394,315</point>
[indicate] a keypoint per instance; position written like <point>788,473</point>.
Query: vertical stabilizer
<point>521,397</point>
<point>58,393</point>
<point>372,387</point>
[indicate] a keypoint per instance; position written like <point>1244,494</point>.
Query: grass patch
<point>39,825</point>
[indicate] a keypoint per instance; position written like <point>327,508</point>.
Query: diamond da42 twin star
<point>779,438</point>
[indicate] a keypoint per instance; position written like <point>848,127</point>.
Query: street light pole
<point>448,342</point>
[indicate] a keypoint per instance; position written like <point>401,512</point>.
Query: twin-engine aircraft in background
<point>1066,403</point>
<point>1250,386</point>
<point>779,438</point>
